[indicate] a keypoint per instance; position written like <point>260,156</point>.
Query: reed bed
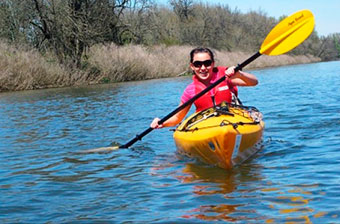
<point>23,68</point>
<point>234,58</point>
<point>127,63</point>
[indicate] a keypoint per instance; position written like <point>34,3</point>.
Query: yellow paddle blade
<point>289,33</point>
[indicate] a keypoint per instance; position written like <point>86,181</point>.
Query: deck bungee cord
<point>230,109</point>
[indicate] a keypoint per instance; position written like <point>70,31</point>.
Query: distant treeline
<point>64,31</point>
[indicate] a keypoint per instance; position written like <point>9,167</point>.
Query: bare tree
<point>182,8</point>
<point>68,27</point>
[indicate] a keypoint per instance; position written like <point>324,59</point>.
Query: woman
<point>202,64</point>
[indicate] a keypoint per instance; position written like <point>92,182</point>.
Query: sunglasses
<point>199,64</point>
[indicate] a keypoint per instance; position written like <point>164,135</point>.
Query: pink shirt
<point>189,91</point>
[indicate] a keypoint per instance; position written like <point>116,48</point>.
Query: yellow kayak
<point>225,135</point>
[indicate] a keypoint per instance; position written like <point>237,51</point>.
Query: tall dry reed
<point>135,62</point>
<point>22,69</point>
<point>126,63</point>
<point>234,58</point>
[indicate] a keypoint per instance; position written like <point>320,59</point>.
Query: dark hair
<point>201,50</point>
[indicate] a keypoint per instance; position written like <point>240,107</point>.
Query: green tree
<point>336,38</point>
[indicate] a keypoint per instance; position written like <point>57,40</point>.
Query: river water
<point>46,176</point>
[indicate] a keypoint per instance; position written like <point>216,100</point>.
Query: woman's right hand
<point>155,125</point>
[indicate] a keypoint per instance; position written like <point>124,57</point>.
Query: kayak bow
<point>224,136</point>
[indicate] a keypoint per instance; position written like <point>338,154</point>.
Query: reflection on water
<point>230,199</point>
<point>224,184</point>
<point>47,176</point>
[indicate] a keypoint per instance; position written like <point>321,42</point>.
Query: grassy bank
<point>23,68</point>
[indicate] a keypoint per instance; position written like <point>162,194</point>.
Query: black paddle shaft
<point>147,131</point>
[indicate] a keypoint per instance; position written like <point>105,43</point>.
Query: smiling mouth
<point>204,74</point>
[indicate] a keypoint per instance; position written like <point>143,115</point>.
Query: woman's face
<point>202,65</point>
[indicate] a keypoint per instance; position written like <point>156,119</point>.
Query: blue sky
<point>326,12</point>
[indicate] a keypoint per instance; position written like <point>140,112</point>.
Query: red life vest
<point>221,92</point>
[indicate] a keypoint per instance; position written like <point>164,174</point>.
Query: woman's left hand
<point>230,72</point>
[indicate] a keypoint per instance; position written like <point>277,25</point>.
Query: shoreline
<point>22,69</point>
